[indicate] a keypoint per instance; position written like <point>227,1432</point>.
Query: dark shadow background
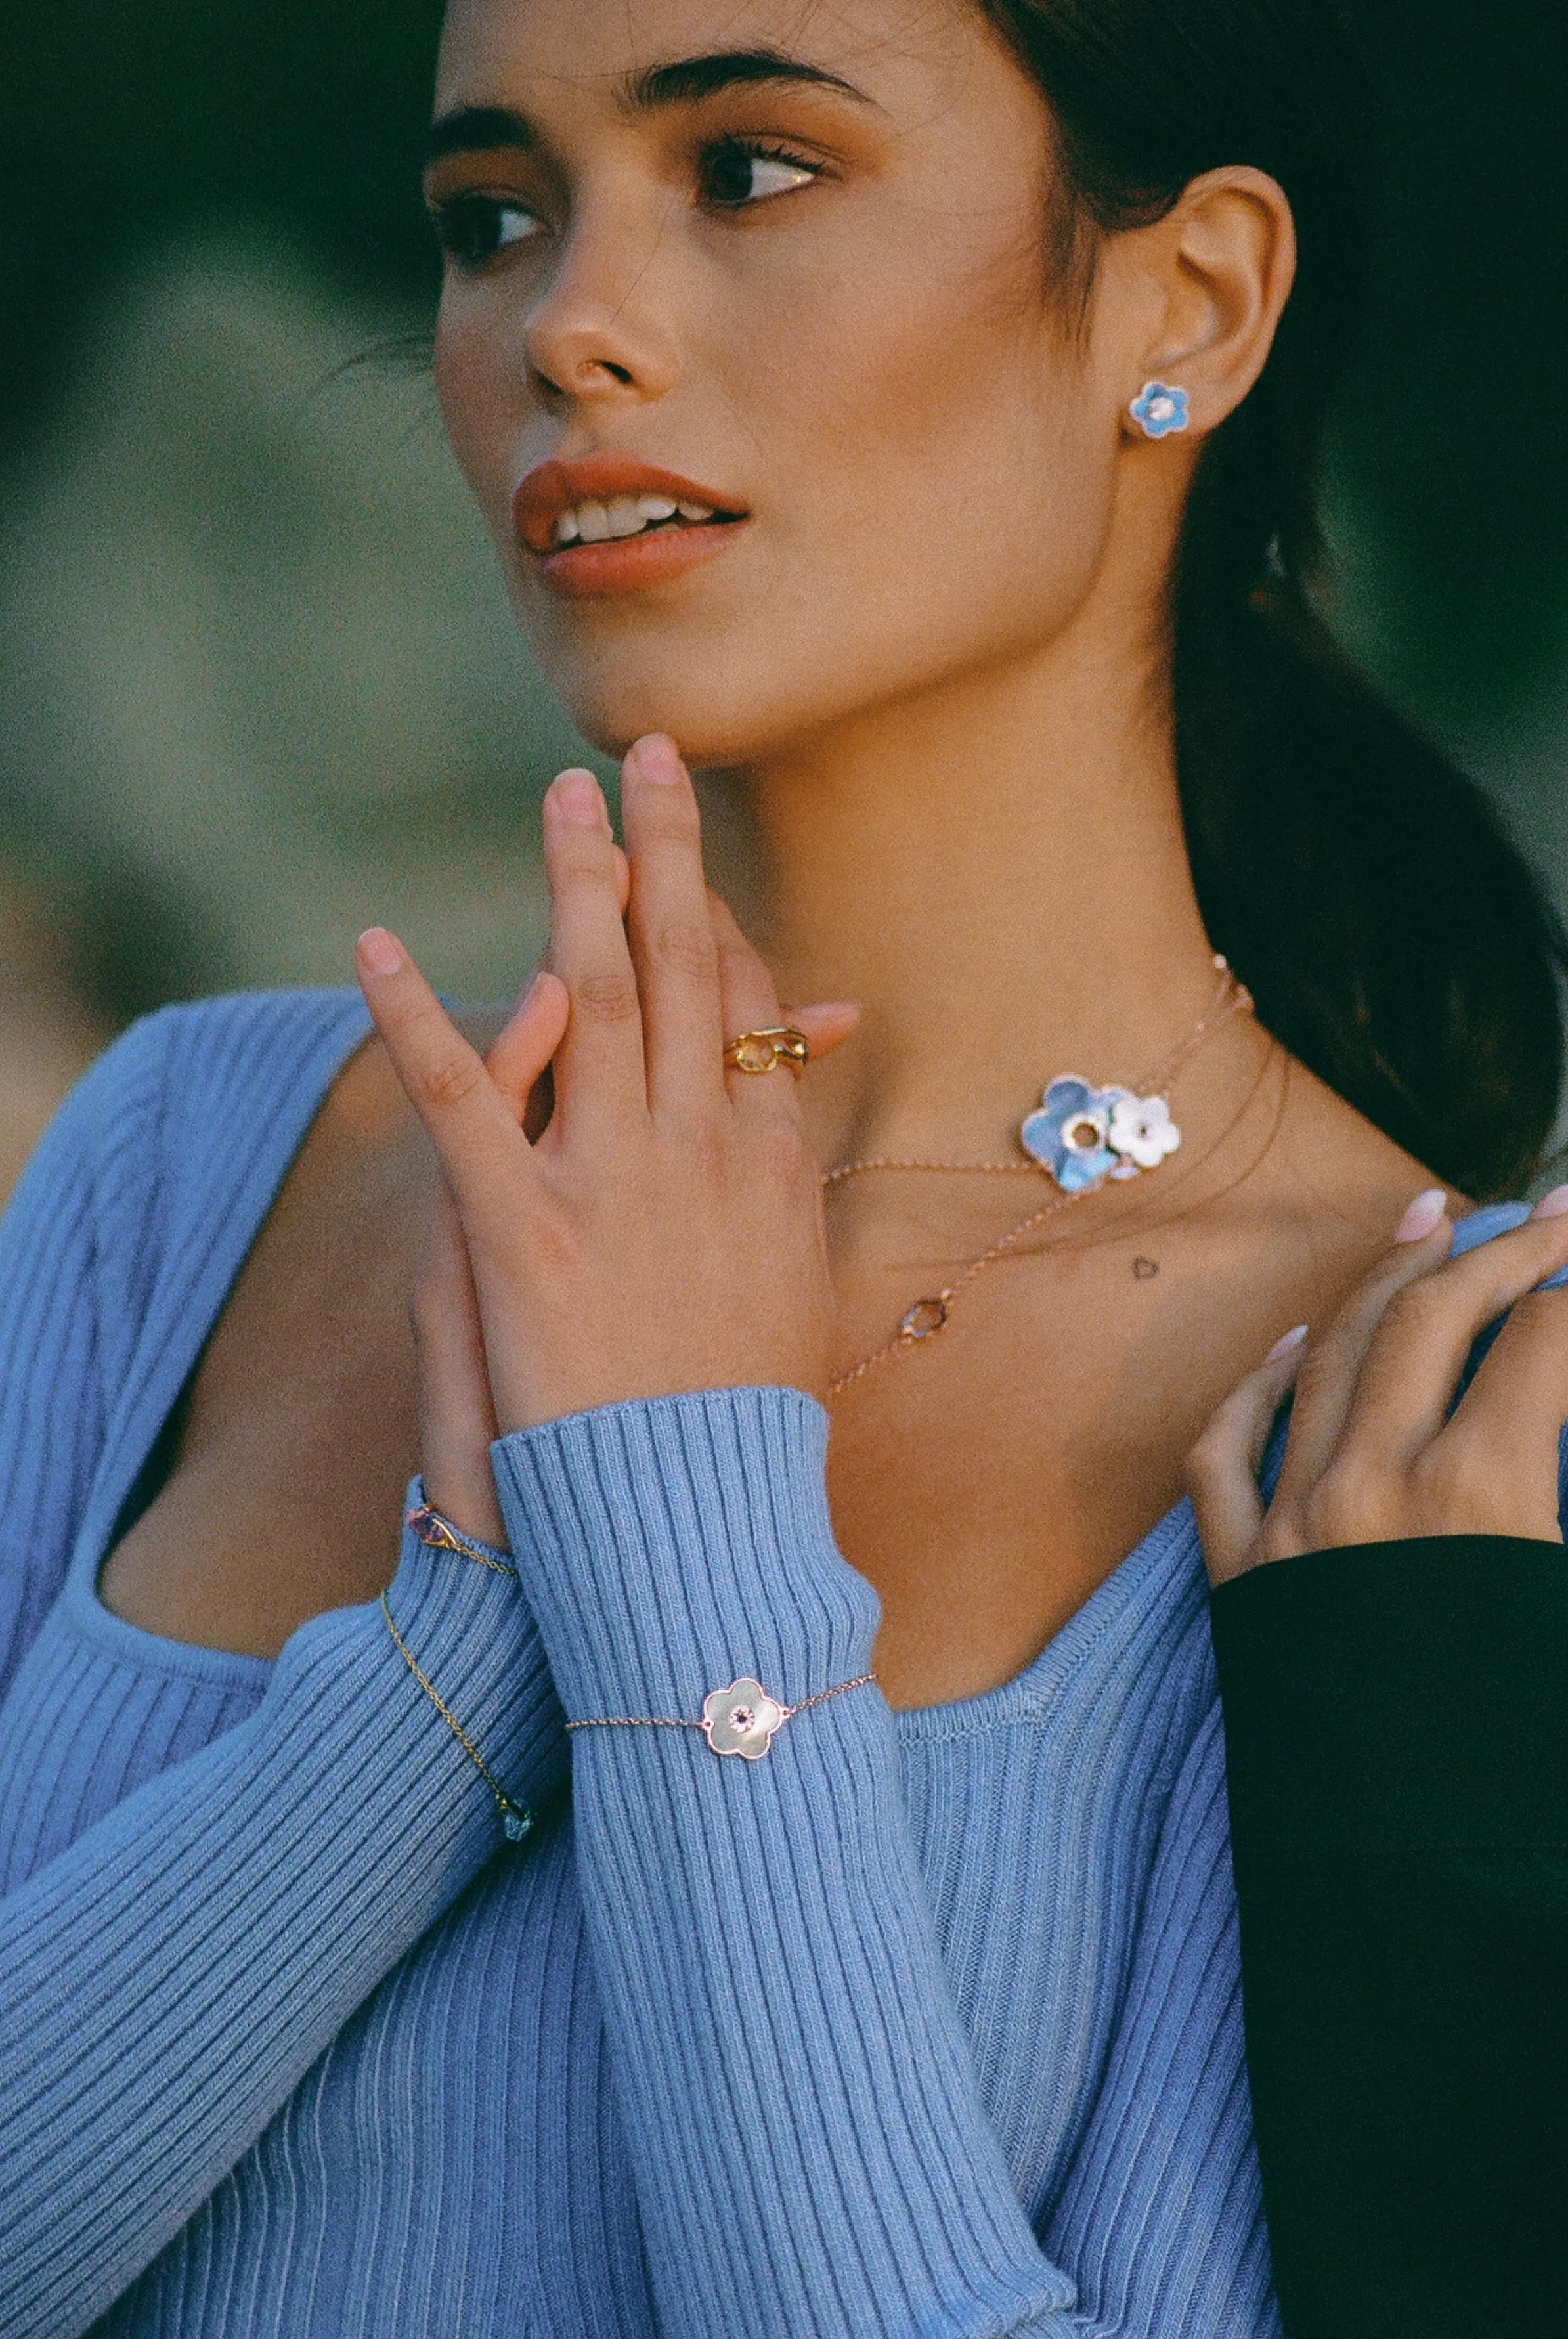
<point>208,208</point>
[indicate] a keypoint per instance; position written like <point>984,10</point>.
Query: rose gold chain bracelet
<point>741,1719</point>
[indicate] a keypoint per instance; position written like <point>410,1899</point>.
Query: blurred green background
<point>257,681</point>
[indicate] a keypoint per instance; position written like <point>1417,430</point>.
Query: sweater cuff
<point>672,1544</point>
<point>1395,1696</point>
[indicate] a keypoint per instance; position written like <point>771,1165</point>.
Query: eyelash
<point>467,226</point>
<point>753,150</point>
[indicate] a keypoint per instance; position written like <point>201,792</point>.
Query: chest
<point>987,1479</point>
<point>985,1483</point>
<point>276,1491</point>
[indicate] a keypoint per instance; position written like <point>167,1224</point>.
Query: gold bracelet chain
<point>516,1822</point>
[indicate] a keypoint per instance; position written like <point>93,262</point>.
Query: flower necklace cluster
<point>1081,1137</point>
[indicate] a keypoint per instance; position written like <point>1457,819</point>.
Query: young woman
<point>911,416</point>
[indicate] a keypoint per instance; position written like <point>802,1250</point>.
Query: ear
<point>1207,285</point>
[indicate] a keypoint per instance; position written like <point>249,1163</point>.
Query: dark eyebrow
<point>690,78</point>
<point>475,129</point>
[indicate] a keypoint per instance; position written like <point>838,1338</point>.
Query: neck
<point>996,873</point>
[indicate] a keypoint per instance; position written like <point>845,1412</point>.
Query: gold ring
<point>759,1051</point>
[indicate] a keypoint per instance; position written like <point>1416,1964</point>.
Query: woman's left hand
<point>665,1234</point>
<point>1376,1451</point>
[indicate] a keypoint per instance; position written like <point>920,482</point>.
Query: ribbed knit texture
<point>923,2025</point>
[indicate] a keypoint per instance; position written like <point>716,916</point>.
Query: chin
<point>730,698</point>
<point>611,712</point>
<point>739,677</point>
<point>718,709</point>
<point>735,669</point>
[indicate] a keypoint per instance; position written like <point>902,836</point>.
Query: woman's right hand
<point>1377,1452</point>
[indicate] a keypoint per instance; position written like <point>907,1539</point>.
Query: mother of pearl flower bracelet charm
<point>1081,1134</point>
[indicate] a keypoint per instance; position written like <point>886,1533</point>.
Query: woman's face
<point>792,257</point>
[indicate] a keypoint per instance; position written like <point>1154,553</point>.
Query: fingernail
<point>1283,1347</point>
<point>1553,1205</point>
<point>379,952</point>
<point>658,759</point>
<point>579,797</point>
<point>1422,1216</point>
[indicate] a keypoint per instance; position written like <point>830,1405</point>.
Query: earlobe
<point>1159,408</point>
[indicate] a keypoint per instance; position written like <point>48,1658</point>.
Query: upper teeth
<point>626,516</point>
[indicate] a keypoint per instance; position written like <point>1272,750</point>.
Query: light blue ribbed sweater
<point>923,2025</point>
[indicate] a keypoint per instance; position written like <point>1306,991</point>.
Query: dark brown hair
<point>1393,938</point>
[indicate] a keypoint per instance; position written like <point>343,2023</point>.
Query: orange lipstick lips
<point>627,562</point>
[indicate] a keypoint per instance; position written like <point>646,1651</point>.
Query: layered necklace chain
<point>1080,1138</point>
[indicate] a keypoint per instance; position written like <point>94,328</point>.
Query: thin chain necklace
<point>928,1316</point>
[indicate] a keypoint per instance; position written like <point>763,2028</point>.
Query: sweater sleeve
<point>1397,1728</point>
<point>167,1979</point>
<point>52,1411</point>
<point>174,1963</point>
<point>810,2154</point>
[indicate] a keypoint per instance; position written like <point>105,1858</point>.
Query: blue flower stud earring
<point>1159,408</point>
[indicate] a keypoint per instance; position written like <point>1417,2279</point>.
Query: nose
<point>596,334</point>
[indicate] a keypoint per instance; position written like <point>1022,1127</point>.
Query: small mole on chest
<point>1144,1268</point>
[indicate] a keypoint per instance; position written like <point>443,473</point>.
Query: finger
<point>749,1003</point>
<point>598,1066</point>
<point>521,1053</point>
<point>1422,1342</point>
<point>508,1069</point>
<point>1493,1470</point>
<point>826,1025</point>
<point>470,1124</point>
<point>671,931</point>
<point>547,1013</point>
<point>1326,1384</point>
<point>1222,1467</point>
<point>457,1414</point>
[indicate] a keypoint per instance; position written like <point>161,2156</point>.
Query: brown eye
<point>473,229</point>
<point>734,175</point>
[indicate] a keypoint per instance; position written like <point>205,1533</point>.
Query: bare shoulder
<point>1352,1180</point>
<point>297,1435</point>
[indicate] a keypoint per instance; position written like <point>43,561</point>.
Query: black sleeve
<point>1396,1732</point>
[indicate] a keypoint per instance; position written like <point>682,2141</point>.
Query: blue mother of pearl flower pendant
<point>1081,1134</point>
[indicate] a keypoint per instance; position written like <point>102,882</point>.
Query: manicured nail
<point>579,797</point>
<point>658,759</point>
<point>1553,1205</point>
<point>1283,1347</point>
<point>379,952</point>
<point>1422,1216</point>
